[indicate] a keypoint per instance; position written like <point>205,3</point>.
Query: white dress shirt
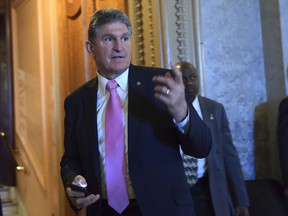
<point>201,162</point>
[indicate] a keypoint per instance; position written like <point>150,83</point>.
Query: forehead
<point>115,28</point>
<point>189,72</point>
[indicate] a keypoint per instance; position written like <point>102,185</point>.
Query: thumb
<point>80,181</point>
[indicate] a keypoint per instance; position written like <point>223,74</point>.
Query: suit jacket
<point>282,132</point>
<point>155,164</point>
<point>224,168</point>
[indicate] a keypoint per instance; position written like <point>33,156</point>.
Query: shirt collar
<point>196,105</point>
<point>122,81</point>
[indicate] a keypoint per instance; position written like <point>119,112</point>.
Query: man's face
<point>112,49</point>
<point>190,79</point>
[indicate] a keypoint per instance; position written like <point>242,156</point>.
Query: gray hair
<point>104,16</point>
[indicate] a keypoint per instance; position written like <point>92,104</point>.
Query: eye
<point>125,38</point>
<point>108,40</point>
<point>192,78</point>
<point>185,80</point>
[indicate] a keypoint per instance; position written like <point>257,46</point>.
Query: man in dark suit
<point>220,189</point>
<point>156,119</point>
<point>282,132</point>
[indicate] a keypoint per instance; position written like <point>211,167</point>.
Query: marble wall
<point>236,75</point>
<point>284,26</point>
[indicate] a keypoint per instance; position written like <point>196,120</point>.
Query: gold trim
<point>138,16</point>
<point>151,32</point>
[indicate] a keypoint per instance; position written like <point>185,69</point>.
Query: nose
<point>189,82</point>
<point>117,45</point>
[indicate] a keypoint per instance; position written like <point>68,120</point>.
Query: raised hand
<point>171,91</point>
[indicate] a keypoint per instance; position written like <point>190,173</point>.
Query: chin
<point>119,70</point>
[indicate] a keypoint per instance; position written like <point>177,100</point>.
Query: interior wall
<point>245,71</point>
<point>283,7</point>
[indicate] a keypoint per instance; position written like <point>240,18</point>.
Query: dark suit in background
<point>226,184</point>
<point>282,132</point>
<point>221,191</point>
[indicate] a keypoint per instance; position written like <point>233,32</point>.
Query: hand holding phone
<point>79,189</point>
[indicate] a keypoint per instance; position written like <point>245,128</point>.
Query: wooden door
<point>37,110</point>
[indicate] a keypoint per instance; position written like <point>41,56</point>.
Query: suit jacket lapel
<point>90,124</point>
<point>209,119</point>
<point>207,112</point>
<point>133,123</point>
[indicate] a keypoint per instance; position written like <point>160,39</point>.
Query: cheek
<point>102,55</point>
<point>127,47</point>
<point>102,49</point>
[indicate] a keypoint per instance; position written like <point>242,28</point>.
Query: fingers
<point>79,199</point>
<point>171,91</point>
<point>168,84</point>
<point>168,80</point>
<point>162,90</point>
<point>177,73</point>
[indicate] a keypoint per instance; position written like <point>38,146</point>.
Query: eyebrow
<point>114,35</point>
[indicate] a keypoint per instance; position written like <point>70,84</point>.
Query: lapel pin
<point>138,83</point>
<point>211,116</point>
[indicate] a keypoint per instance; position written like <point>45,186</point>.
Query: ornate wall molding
<point>139,39</point>
<point>151,33</point>
<point>181,30</point>
<point>163,30</point>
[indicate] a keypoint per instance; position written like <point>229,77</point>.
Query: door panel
<point>36,106</point>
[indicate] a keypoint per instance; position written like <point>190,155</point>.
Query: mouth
<point>191,91</point>
<point>117,57</point>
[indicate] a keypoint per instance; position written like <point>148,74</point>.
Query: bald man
<point>221,169</point>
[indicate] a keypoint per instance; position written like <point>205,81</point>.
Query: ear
<point>89,48</point>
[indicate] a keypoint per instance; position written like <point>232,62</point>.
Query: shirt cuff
<point>183,125</point>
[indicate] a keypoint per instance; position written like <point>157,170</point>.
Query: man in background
<point>220,188</point>
<point>282,132</point>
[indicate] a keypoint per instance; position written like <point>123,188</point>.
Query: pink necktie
<point>114,152</point>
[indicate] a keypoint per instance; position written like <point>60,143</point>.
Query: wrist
<point>181,115</point>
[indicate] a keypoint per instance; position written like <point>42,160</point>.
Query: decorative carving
<point>139,31</point>
<point>73,8</point>
<point>151,32</point>
<point>181,30</point>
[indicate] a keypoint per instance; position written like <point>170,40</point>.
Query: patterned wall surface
<point>235,74</point>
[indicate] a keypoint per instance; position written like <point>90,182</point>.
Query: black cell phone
<point>80,189</point>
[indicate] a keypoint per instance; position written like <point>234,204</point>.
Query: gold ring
<point>167,92</point>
